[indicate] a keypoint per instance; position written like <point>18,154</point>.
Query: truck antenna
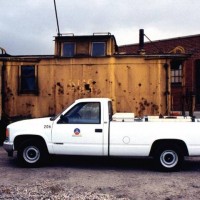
<point>57,18</point>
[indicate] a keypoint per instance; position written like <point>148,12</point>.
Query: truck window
<point>83,113</point>
<point>110,110</point>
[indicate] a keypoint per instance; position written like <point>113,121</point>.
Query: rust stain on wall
<point>133,87</point>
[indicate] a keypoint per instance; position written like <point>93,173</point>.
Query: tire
<point>169,158</point>
<point>31,154</point>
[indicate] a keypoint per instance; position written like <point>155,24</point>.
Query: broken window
<point>68,49</point>
<point>98,49</point>
<point>28,79</point>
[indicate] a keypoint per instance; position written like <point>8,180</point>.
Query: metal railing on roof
<point>3,51</point>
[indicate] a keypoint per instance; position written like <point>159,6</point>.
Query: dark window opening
<point>28,80</point>
<point>68,49</point>
<point>176,73</point>
<point>98,49</point>
<point>83,113</point>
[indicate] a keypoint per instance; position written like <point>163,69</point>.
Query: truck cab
<point>83,128</point>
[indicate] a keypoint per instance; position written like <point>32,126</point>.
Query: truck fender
<point>21,139</point>
<point>159,143</point>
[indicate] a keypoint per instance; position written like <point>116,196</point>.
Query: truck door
<point>79,131</point>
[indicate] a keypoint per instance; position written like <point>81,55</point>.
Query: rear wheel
<point>168,158</point>
<point>31,154</point>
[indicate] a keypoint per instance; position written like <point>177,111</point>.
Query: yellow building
<point>85,66</point>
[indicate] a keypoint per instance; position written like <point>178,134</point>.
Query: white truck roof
<point>92,100</point>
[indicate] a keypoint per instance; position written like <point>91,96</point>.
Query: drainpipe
<point>141,50</point>
<point>3,86</point>
<point>3,120</point>
<point>167,93</point>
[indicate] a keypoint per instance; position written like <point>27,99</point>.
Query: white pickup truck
<point>88,127</point>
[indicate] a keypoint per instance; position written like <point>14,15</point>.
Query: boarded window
<point>98,49</point>
<point>68,49</point>
<point>82,48</point>
<point>28,80</point>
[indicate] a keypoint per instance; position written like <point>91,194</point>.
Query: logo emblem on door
<point>76,132</point>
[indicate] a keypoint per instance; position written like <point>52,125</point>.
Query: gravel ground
<point>97,178</point>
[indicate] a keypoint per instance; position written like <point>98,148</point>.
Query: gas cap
<point>126,140</point>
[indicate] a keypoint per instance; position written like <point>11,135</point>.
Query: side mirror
<point>52,118</point>
<point>63,119</point>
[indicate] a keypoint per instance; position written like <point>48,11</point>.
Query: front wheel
<point>31,154</point>
<point>169,158</point>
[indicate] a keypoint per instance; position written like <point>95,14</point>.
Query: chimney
<point>141,50</point>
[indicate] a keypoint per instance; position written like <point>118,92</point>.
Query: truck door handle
<point>98,130</point>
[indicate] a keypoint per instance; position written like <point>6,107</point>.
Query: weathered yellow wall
<point>133,83</point>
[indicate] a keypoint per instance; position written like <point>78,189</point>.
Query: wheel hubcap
<point>31,154</point>
<point>169,158</point>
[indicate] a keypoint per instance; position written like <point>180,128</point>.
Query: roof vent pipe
<point>141,50</point>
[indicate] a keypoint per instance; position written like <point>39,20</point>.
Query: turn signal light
<point>7,133</point>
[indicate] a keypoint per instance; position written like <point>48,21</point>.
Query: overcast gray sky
<point>28,26</point>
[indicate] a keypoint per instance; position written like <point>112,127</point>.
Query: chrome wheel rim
<point>31,154</point>
<point>169,159</point>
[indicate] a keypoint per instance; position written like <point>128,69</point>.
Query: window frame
<point>93,54</point>
<point>72,52</point>
<point>176,74</point>
<point>64,119</point>
<point>21,77</point>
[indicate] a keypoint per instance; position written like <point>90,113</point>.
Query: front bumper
<point>8,146</point>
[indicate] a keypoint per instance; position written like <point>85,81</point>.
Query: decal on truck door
<point>77,132</point>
